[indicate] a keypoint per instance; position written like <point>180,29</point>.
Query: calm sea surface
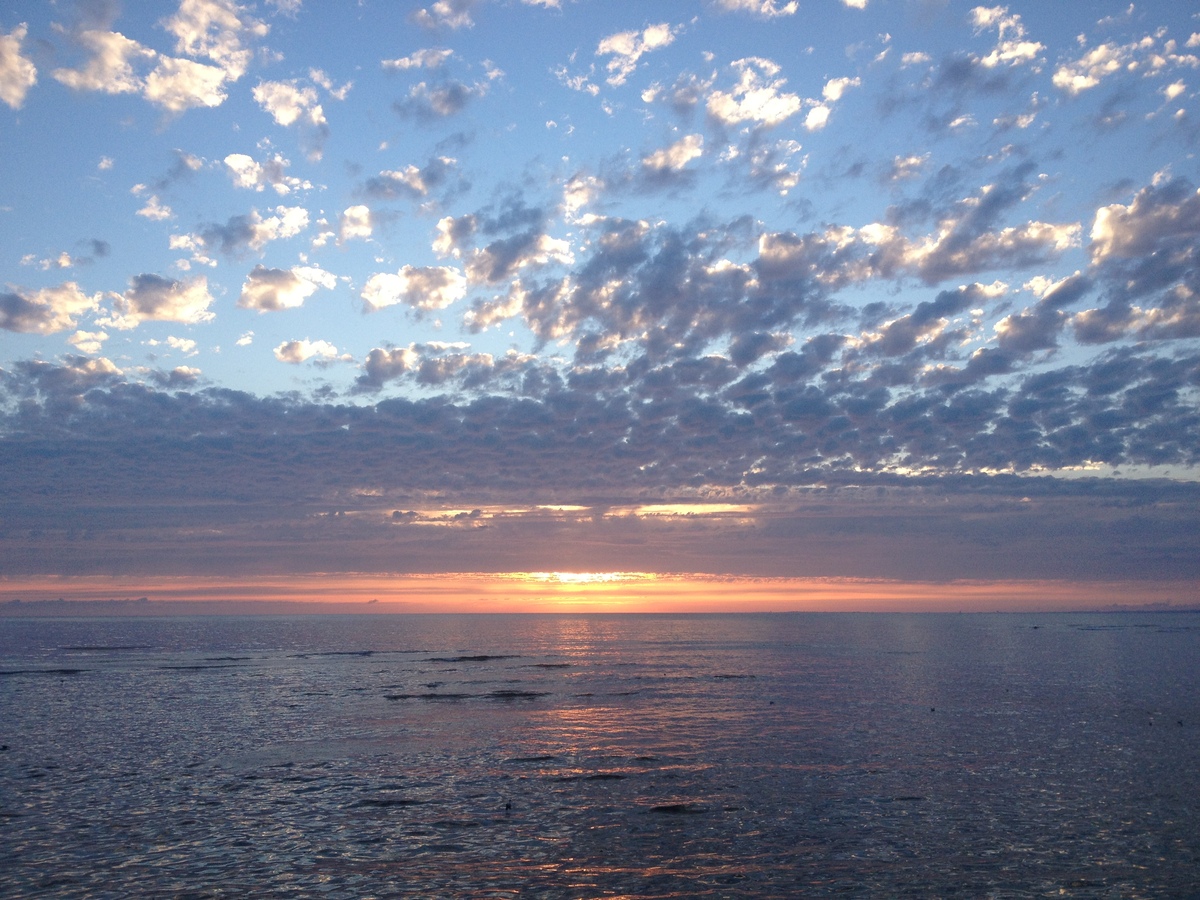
<point>601,756</point>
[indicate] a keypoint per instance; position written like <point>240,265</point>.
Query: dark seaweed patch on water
<point>198,667</point>
<point>386,802</point>
<point>545,757</point>
<point>97,648</point>
<point>5,672</point>
<point>548,666</point>
<point>517,695</point>
<point>679,809</point>
<point>428,696</point>
<point>482,657</point>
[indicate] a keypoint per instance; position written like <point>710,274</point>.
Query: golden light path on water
<point>571,591</point>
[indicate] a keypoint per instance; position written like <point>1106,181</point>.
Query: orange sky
<point>597,592</point>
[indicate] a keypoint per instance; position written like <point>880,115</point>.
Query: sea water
<point>573,756</point>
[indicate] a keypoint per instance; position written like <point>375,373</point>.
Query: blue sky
<point>885,288</point>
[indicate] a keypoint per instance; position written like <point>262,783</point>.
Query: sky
<point>901,292</point>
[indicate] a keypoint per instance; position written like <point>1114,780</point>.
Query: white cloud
<point>758,96</point>
<point>110,68</point>
<point>296,352</point>
<point>904,167</point>
<point>253,231</point>
<point>183,345</point>
<point>1139,228</point>
<point>423,288</point>
<point>288,103</point>
<point>252,175</point>
<point>627,47</point>
<point>321,79</point>
<point>817,118</point>
<point>215,29</point>
<point>1013,49</point>
<point>855,4</point>
<point>1088,70</point>
<point>356,223</point>
<point>46,310</point>
<point>453,14</point>
<point>88,341</point>
<point>835,88</point>
<point>246,339</point>
<point>768,9</point>
<point>155,210</point>
<point>152,297</point>
<point>180,84</point>
<point>421,59</point>
<point>275,289</point>
<point>17,73</point>
<point>676,156</point>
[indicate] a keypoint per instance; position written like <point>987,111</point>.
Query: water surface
<point>600,756</point>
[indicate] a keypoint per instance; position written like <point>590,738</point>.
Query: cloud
<point>1141,58</point>
<point>927,322</point>
<point>627,47</point>
<point>355,223</point>
<point>1013,49</point>
<point>437,364</point>
<point>216,29</point>
<point>672,160</point>
<point>906,167</point>
<point>213,29</point>
<point>430,102</point>
<point>45,310</point>
<point>758,96</point>
<point>275,289</point>
<point>766,9</point>
<point>452,14</point>
<point>249,232</point>
<point>155,210</point>
<point>154,298</point>
<point>1165,213</point>
<point>835,88</point>
<point>255,176</point>
<point>422,288</point>
<point>289,103</point>
<point>180,84</point>
<point>110,66</point>
<point>420,59</point>
<point>91,342</point>
<point>17,73</point>
<point>502,258</point>
<point>296,352</point>
<point>1087,72</point>
<point>410,182</point>
<point>383,365</point>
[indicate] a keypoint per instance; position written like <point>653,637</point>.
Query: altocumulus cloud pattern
<point>903,289</point>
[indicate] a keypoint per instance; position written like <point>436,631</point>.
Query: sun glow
<point>585,577</point>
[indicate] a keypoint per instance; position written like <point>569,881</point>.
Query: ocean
<point>578,756</point>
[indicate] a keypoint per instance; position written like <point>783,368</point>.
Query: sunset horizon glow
<point>829,294</point>
<point>576,592</point>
